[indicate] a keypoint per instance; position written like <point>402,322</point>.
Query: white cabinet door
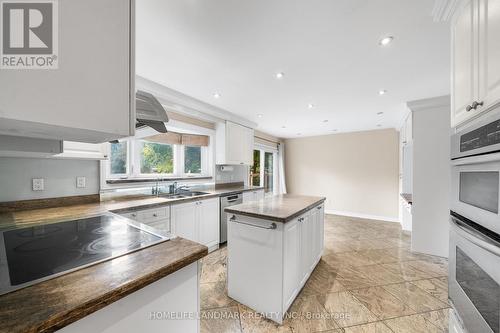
<point>84,151</point>
<point>234,144</point>
<point>89,97</point>
<point>184,220</point>
<point>317,224</point>
<point>464,59</point>
<point>234,141</point>
<point>489,53</point>
<point>291,262</point>
<point>247,146</point>
<point>305,247</point>
<point>208,220</point>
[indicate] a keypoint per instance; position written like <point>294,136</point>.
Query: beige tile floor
<point>367,282</point>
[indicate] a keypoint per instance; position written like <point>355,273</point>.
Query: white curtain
<point>281,165</point>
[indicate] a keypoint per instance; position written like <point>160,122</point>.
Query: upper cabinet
<point>234,144</point>
<point>475,59</point>
<point>90,96</point>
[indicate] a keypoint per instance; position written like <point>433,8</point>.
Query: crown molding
<point>430,103</point>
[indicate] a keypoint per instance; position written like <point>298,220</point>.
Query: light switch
<point>38,184</point>
<point>80,182</point>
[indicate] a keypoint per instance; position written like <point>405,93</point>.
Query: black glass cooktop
<point>42,251</point>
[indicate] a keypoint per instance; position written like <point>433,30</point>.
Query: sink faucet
<point>176,188</point>
<point>155,190</point>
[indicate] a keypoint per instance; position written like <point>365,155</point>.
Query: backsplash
<point>59,177</point>
<point>238,174</point>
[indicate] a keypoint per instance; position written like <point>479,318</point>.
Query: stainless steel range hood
<point>150,112</point>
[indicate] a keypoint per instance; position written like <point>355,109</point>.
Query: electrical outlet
<point>80,182</point>
<point>38,184</point>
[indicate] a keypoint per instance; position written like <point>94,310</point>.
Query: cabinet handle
<point>319,207</point>
<point>271,227</point>
<point>155,215</point>
<point>134,215</point>
<point>476,104</point>
<point>468,108</point>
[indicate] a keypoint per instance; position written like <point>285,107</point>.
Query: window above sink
<point>149,156</point>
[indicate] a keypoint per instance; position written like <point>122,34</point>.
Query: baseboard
<point>363,216</point>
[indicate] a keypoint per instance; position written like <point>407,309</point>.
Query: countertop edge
<point>66,318</point>
<point>275,218</point>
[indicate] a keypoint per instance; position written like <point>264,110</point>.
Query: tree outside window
<point>156,158</point>
<point>118,158</point>
<point>255,169</point>
<point>192,159</point>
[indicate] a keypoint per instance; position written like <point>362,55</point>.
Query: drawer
<point>155,214</point>
<point>131,215</point>
<point>160,225</point>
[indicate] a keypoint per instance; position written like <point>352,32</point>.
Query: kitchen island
<point>274,244</point>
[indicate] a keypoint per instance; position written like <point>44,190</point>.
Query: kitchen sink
<point>183,195</point>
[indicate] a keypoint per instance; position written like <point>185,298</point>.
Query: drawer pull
<point>271,227</point>
<point>155,215</point>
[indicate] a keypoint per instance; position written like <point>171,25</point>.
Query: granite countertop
<point>408,197</point>
<point>117,205</point>
<point>279,208</point>
<point>53,304</point>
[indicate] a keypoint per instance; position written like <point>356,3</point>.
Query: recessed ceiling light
<point>216,95</point>
<point>382,92</point>
<point>380,113</point>
<point>299,134</point>
<point>379,125</point>
<point>386,41</point>
<point>310,105</point>
<point>260,115</point>
<point>280,75</point>
<point>334,130</point>
<point>325,121</point>
<point>283,126</point>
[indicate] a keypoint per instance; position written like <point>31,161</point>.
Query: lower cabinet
<point>197,221</point>
<point>303,248</point>
<point>269,262</point>
<point>253,195</point>
<point>158,218</point>
<point>155,308</point>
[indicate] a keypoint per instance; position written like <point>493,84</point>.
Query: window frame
<point>133,165</point>
<point>263,149</point>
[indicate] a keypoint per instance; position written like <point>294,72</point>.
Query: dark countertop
<point>408,197</point>
<point>117,205</point>
<point>53,304</point>
<point>279,208</point>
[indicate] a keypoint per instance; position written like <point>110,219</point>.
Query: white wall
<point>239,174</point>
<point>60,178</point>
<point>357,172</point>
<point>431,175</point>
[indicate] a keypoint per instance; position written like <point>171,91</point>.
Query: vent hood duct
<point>149,112</point>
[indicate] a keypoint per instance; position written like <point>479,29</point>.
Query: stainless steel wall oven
<point>474,263</point>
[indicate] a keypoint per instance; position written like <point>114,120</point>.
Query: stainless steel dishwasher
<point>226,201</point>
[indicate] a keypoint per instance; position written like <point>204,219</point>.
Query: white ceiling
<point>328,50</point>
